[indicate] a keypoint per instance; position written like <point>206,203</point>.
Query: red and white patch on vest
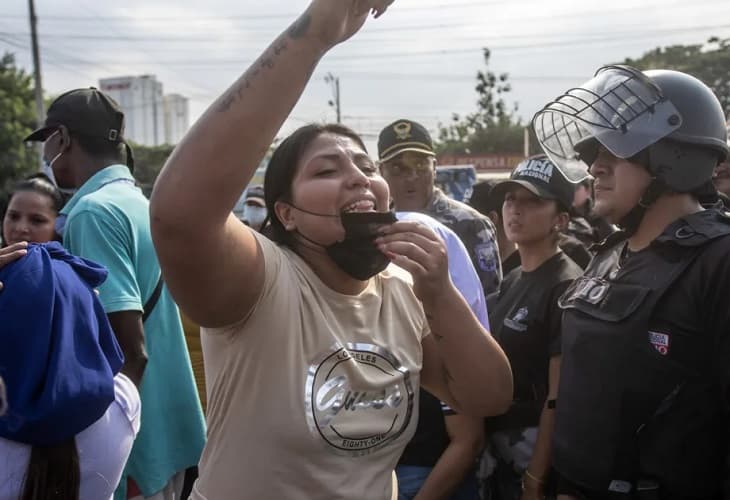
<point>660,341</point>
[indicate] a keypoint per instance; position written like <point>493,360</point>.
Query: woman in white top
<point>102,450</point>
<point>68,418</point>
<point>312,347</point>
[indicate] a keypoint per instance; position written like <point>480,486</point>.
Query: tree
<point>492,128</point>
<point>148,161</point>
<point>710,62</point>
<point>17,120</point>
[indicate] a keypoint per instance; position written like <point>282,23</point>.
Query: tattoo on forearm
<point>280,46</point>
<point>266,61</point>
<point>300,26</point>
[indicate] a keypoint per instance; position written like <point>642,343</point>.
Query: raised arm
<point>211,263</point>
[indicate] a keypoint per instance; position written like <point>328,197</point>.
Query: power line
<point>375,29</point>
<point>291,15</point>
<point>56,64</point>
<point>206,63</point>
<point>95,14</point>
<point>584,36</point>
<point>587,38</point>
<point>232,36</point>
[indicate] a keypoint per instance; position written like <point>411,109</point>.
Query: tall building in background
<point>146,109</point>
<point>177,117</point>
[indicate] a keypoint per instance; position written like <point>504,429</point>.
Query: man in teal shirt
<point>107,221</point>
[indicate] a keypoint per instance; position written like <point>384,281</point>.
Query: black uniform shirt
<point>686,442</point>
<point>691,327</point>
<point>431,437</point>
<point>526,321</point>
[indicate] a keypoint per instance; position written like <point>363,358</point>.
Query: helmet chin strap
<point>631,221</point>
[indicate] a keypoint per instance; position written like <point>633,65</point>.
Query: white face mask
<point>48,171</point>
<point>254,215</point>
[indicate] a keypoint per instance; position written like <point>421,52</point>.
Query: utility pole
<point>36,65</point>
<point>40,112</point>
<point>335,102</point>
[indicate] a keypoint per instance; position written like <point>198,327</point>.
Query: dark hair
<point>53,472</point>
<point>482,200</point>
<point>104,148</point>
<point>283,167</point>
<point>41,184</point>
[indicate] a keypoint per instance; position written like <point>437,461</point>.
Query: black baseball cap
<point>88,112</point>
<point>542,178</point>
<point>401,136</point>
<point>255,195</point>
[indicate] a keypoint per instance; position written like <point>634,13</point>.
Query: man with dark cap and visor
<point>408,164</point>
<point>644,400</point>
<point>107,221</point>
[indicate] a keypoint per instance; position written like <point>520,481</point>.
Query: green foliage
<point>710,62</point>
<point>492,128</point>
<point>17,120</point>
<point>148,161</point>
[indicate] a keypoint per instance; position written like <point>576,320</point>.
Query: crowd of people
<point>564,335</point>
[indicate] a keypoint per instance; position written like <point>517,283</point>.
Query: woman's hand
<point>334,21</point>
<point>420,251</point>
<point>12,253</point>
<point>531,488</point>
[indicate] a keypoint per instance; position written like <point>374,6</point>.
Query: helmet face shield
<point>619,107</point>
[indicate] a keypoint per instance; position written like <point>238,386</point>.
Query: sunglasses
<point>408,166</point>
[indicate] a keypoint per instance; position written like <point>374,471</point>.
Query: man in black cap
<point>107,221</point>
<point>408,163</point>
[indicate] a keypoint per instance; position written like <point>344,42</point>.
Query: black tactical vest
<point>621,401</point>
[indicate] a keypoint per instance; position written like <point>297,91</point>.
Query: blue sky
<point>417,61</point>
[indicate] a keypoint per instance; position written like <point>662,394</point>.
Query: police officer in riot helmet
<point>643,410</point>
<point>584,224</point>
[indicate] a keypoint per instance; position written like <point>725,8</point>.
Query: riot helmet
<point>669,122</point>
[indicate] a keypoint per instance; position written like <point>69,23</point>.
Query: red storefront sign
<point>484,163</point>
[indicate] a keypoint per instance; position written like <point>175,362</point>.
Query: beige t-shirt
<point>315,394</point>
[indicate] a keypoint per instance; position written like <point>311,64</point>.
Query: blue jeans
<point>412,477</point>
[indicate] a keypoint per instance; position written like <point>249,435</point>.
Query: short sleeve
<point>555,319</point>
<point>465,277</point>
<point>274,259</point>
<point>485,255</point>
<point>101,238</point>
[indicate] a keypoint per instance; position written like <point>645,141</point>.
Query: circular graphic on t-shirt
<point>359,398</point>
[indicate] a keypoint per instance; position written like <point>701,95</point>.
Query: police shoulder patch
<point>660,341</point>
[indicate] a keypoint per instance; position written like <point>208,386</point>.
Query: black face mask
<point>357,255</point>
